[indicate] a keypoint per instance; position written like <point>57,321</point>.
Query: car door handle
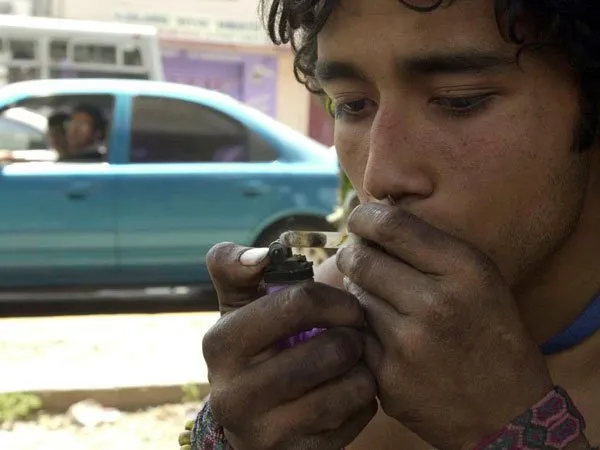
<point>255,188</point>
<point>79,191</point>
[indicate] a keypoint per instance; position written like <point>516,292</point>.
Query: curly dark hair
<point>572,26</point>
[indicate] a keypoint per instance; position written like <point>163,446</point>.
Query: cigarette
<point>314,239</point>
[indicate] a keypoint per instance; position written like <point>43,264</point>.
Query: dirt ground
<point>152,429</point>
<point>101,352</point>
<point>84,352</point>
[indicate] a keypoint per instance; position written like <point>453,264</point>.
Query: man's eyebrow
<point>337,70</point>
<point>454,63</point>
<point>422,65</point>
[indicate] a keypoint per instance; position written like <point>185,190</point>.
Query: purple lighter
<point>287,269</point>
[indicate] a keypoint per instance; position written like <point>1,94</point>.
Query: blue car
<point>185,168</point>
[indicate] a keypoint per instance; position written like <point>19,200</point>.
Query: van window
<point>43,47</point>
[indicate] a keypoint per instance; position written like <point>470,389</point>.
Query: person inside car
<point>86,130</point>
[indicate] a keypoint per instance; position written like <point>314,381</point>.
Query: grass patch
<point>191,393</point>
<point>18,406</point>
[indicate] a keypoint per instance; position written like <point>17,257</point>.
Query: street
<point>105,381</point>
<point>149,301</point>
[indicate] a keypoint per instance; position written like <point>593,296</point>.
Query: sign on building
<point>200,27</point>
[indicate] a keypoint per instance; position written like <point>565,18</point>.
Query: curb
<point>129,398</point>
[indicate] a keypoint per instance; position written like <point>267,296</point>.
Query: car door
<point>188,185</point>
<point>58,222</point>
<point>57,226</point>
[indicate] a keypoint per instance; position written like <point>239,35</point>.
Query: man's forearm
<point>553,416</point>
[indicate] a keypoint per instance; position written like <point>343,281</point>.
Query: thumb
<point>236,272</point>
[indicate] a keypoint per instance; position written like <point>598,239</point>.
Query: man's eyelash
<point>474,104</point>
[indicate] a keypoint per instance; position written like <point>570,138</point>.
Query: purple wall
<point>250,78</point>
<point>260,83</point>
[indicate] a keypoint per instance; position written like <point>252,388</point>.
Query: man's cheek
<point>354,168</point>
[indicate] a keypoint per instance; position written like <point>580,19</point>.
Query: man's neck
<point>561,290</point>
<point>559,298</point>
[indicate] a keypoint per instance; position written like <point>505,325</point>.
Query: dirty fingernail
<point>253,256</point>
<point>353,288</point>
<point>347,283</point>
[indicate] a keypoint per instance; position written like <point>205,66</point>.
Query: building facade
<point>217,44</point>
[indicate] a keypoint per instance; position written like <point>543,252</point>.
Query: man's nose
<point>396,165</point>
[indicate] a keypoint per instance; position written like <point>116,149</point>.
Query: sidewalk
<point>126,361</point>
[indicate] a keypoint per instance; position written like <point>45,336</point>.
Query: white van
<point>40,48</point>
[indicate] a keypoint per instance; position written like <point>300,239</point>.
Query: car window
<point>93,151</point>
<point>18,136</point>
<point>173,130</point>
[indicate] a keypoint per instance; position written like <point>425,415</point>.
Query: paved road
<point>102,351</point>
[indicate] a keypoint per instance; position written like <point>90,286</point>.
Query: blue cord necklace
<point>582,328</point>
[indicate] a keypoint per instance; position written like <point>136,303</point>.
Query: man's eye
<point>460,106</point>
<point>355,108</point>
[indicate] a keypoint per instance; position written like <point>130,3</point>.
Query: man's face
<point>80,131</point>
<point>433,111</point>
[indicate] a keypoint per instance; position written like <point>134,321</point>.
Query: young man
<point>86,130</point>
<point>470,131</point>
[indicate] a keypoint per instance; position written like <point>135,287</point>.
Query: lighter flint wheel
<point>315,255</point>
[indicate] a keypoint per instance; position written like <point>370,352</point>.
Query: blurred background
<point>134,135</point>
<point>216,44</point>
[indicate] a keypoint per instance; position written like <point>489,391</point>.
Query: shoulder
<point>91,154</point>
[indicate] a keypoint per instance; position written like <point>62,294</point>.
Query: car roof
<point>117,86</point>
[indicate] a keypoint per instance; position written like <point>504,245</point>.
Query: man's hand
<point>317,395</point>
<point>6,155</point>
<point>452,360</point>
